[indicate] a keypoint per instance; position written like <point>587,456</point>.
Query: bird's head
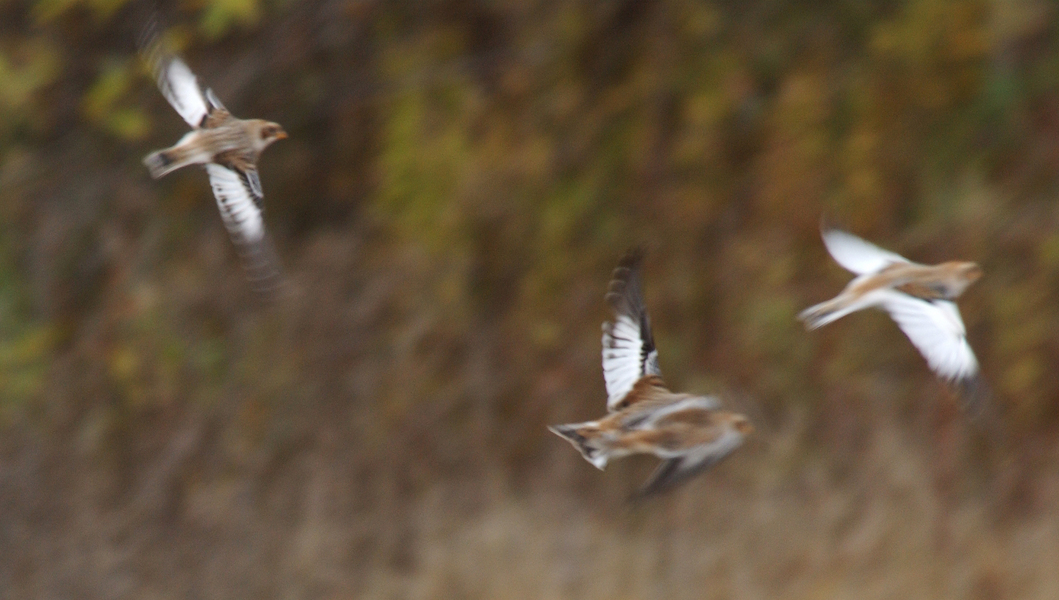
<point>742,425</point>
<point>266,133</point>
<point>965,273</point>
<point>970,271</point>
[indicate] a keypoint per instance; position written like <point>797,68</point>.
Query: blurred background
<point>461,177</point>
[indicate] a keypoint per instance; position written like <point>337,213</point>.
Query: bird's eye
<point>268,132</point>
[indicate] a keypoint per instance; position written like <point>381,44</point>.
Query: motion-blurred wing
<point>239,201</point>
<point>856,255</point>
<point>674,471</point>
<point>629,351</point>
<point>175,80</point>
<point>937,331</point>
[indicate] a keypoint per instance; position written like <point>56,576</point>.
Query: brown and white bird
<point>689,433</point>
<point>226,146</point>
<point>918,297</point>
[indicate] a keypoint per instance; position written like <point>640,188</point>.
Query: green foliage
<point>27,66</point>
<point>26,344</point>
<point>102,103</point>
<point>423,150</point>
<point>220,16</point>
<point>48,10</point>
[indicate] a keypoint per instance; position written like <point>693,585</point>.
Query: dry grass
<point>777,519</point>
<point>885,531</point>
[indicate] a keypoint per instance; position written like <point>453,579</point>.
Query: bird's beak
<point>281,135</point>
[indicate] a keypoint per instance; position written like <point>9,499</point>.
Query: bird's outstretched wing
<point>629,351</point>
<point>937,331</point>
<point>856,255</point>
<point>239,201</point>
<point>674,471</point>
<point>175,80</point>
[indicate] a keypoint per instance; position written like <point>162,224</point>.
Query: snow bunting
<point>228,148</point>
<point>918,297</point>
<point>689,433</point>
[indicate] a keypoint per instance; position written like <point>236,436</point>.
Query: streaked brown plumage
<point>689,433</point>
<point>228,148</point>
<point>918,297</point>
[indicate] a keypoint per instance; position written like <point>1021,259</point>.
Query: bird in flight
<point>226,146</point>
<point>689,433</point>
<point>918,297</point>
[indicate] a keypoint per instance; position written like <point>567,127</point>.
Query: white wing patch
<point>241,212</point>
<point>214,101</point>
<point>175,80</point>
<point>856,255</point>
<point>625,360</point>
<point>239,208</point>
<point>628,347</point>
<point>937,331</point>
<point>181,88</point>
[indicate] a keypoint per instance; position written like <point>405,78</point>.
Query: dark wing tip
<point>828,222</point>
<point>623,291</point>
<point>608,329</point>
<point>632,258</point>
<point>616,295</point>
<point>150,33</point>
<point>975,396</point>
<point>665,478</point>
<point>261,264</point>
<point>151,44</point>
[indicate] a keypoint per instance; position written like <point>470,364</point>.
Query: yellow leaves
<point>940,44</point>
<point>221,15</point>
<point>101,105</point>
<point>420,169</point>
<point>1023,325</point>
<point>1048,252</point>
<point>26,346</point>
<point>862,178</point>
<point>124,364</point>
<point>794,167</point>
<point>47,10</point>
<point>1018,19</point>
<point>701,20</point>
<point>24,359</point>
<point>864,189</point>
<point>217,17</point>
<point>25,69</point>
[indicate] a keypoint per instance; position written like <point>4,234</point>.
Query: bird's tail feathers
<point>827,312</point>
<point>585,437</point>
<point>166,161</point>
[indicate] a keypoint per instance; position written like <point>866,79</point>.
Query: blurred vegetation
<point>460,178</point>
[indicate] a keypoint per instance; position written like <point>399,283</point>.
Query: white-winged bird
<point>226,146</point>
<point>689,433</point>
<point>918,297</point>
